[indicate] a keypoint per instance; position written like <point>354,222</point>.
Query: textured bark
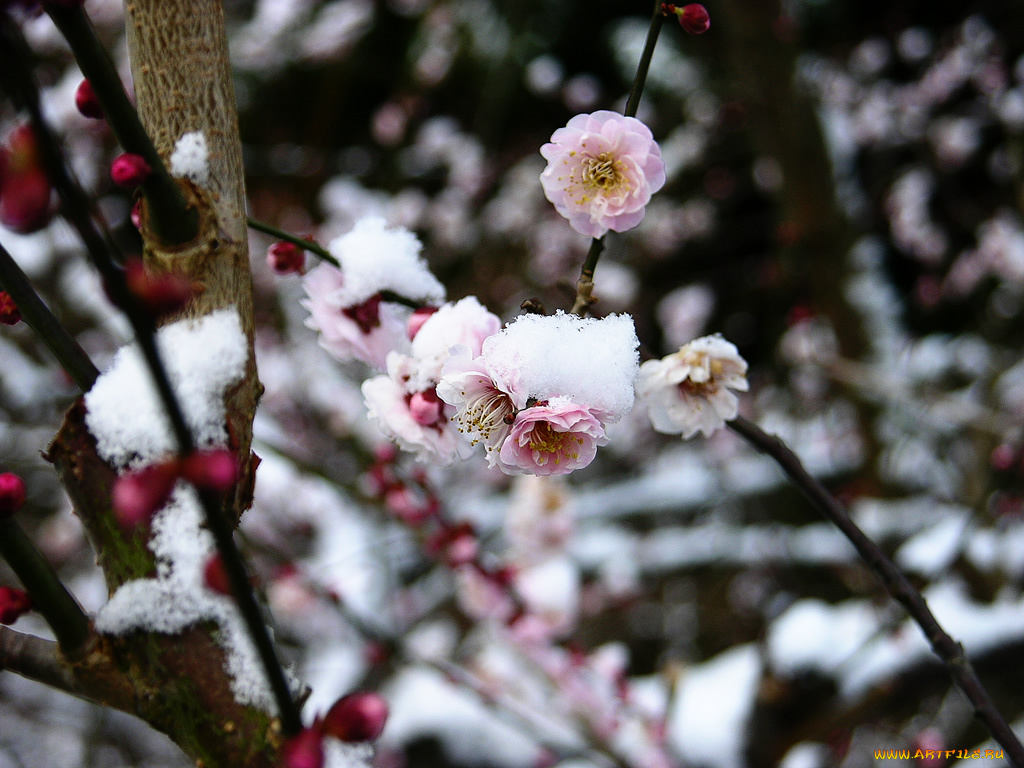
<point>178,683</point>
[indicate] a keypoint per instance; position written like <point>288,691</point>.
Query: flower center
<point>544,439</point>
<point>601,172</point>
<point>488,414</point>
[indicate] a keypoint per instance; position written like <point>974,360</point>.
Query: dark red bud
<point>13,604</point>
<point>86,101</point>
<point>12,494</point>
<point>129,170</point>
<point>25,200</point>
<point>694,18</point>
<point>160,294</point>
<point>286,258</point>
<point>304,750</point>
<point>214,470</point>
<point>215,576</point>
<point>137,495</point>
<point>356,717</point>
<point>9,314</point>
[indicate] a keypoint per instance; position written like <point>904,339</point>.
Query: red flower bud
<point>417,319</point>
<point>12,494</point>
<point>304,750</point>
<point>24,199</point>
<point>357,717</point>
<point>426,408</point>
<point>694,18</point>
<point>286,258</point>
<point>159,294</point>
<point>215,576</point>
<point>129,170</point>
<point>13,603</point>
<point>9,314</point>
<point>86,101</point>
<point>137,495</point>
<point>214,470</point>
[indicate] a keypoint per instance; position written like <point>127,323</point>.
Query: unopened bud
<point>357,717</point>
<point>286,258</point>
<point>215,576</point>
<point>304,750</point>
<point>129,170</point>
<point>426,408</point>
<point>694,18</point>
<point>214,470</point>
<point>137,495</point>
<point>12,494</point>
<point>86,101</point>
<point>161,294</point>
<point>9,314</point>
<point>417,319</point>
<point>25,199</point>
<point>13,604</point>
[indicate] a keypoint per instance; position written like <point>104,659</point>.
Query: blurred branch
<point>35,658</point>
<point>895,583</point>
<point>47,327</point>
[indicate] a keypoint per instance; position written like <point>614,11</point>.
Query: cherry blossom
<point>691,391</point>
<point>602,170</point>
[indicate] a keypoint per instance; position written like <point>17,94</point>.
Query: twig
<point>174,222</point>
<point>47,327</point>
<point>896,584</point>
<point>585,284</point>
<point>49,596</point>
<point>35,658</point>
<point>307,245</point>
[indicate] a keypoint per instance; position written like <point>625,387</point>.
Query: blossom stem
<point>633,102</point>
<point>40,319</point>
<point>895,583</point>
<point>50,597</point>
<point>174,222</point>
<point>307,245</point>
<point>585,284</point>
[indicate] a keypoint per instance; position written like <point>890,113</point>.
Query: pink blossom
<point>551,438</point>
<point>417,421</point>
<point>366,330</point>
<point>602,170</point>
<point>690,391</point>
<point>485,406</point>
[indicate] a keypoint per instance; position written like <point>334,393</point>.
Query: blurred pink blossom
<point>602,170</point>
<point>552,438</point>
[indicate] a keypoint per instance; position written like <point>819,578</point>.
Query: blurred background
<point>844,203</point>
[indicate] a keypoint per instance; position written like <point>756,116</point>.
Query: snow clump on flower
<point>346,305</point>
<point>690,391</point>
<point>541,391</point>
<point>602,170</point>
<point>405,404</point>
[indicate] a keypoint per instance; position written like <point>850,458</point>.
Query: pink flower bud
<point>12,494</point>
<point>159,294</point>
<point>406,506</point>
<point>694,18</point>
<point>86,101</point>
<point>214,470</point>
<point>461,550</point>
<point>129,170</point>
<point>137,495</point>
<point>304,750</point>
<point>9,314</point>
<point>215,576</point>
<point>418,318</point>
<point>286,258</point>
<point>25,200</point>
<point>357,717</point>
<point>426,408</point>
<point>13,603</point>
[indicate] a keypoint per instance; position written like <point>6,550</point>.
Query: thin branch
<point>895,583</point>
<point>47,327</point>
<point>174,222</point>
<point>49,596</point>
<point>307,245</point>
<point>37,659</point>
